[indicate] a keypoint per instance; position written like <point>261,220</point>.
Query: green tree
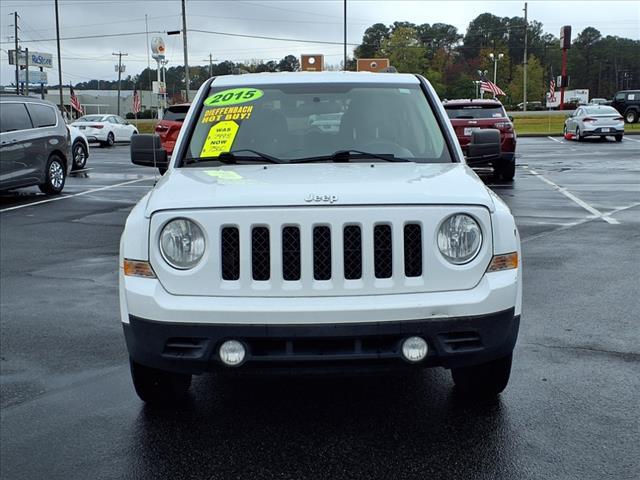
<point>404,50</point>
<point>289,64</point>
<point>372,40</point>
<point>535,85</point>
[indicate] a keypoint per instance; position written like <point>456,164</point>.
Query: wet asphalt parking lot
<point>69,410</point>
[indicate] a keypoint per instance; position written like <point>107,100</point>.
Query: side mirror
<point>485,145</point>
<point>147,151</point>
<point>510,117</point>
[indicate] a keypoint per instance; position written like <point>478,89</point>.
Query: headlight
<point>459,238</point>
<point>182,243</point>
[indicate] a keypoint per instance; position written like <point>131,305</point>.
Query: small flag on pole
<point>137,104</point>
<point>75,103</point>
<point>488,86</point>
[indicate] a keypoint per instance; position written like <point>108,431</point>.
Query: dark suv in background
<point>627,102</point>
<point>473,114</point>
<point>34,145</point>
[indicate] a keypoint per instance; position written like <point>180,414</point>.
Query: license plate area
<point>605,130</point>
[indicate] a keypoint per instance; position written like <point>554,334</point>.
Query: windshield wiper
<point>232,157</point>
<point>465,116</point>
<point>346,155</point>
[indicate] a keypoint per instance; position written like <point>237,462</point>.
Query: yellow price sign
<point>220,139</point>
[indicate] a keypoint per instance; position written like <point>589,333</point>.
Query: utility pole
<point>59,59</point>
<point>119,55</point>
<point>345,36</point>
<point>186,58</point>
<point>15,54</point>
<point>26,69</point>
<point>524,71</point>
<point>210,65</point>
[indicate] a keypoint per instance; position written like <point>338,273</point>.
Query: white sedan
<point>106,129</point>
<point>595,121</point>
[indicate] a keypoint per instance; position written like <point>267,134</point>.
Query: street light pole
<point>59,59</point>
<point>495,59</point>
<point>15,52</point>
<point>524,71</point>
<point>345,36</point>
<point>184,43</point>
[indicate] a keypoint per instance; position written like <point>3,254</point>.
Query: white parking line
<point>575,199</point>
<point>54,199</point>
<point>632,139</point>
<point>555,139</point>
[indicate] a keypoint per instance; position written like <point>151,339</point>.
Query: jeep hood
<point>326,184</point>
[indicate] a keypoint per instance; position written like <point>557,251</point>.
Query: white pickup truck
<point>272,244</point>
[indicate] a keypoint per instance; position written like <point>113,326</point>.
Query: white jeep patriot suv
<point>318,221</point>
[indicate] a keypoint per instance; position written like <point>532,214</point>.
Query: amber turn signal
<point>506,261</point>
<point>138,268</point>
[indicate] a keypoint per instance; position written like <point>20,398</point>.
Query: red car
<point>469,115</point>
<point>169,127</point>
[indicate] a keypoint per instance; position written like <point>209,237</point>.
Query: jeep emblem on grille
<point>321,198</point>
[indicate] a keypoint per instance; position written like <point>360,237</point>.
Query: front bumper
<point>192,348</point>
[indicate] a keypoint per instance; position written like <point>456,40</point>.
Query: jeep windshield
<point>314,122</point>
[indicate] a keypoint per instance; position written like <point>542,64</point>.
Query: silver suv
<point>34,145</point>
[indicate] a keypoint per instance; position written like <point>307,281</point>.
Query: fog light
<point>414,349</point>
<point>232,353</point>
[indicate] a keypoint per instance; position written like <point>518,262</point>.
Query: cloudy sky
<point>87,58</point>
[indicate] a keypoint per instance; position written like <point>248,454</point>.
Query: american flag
<point>488,86</point>
<point>136,102</point>
<point>552,90</point>
<point>75,103</point>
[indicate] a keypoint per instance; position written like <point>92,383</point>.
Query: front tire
<point>486,380</point>
<point>631,116</point>
<point>79,152</point>
<point>55,176</point>
<point>579,137</point>
<point>158,386</point>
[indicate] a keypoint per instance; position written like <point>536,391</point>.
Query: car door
<point>15,124</point>
<point>42,138</point>
<point>114,127</point>
<point>126,129</point>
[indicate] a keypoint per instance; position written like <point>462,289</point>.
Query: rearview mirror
<point>485,145</point>
<point>147,151</point>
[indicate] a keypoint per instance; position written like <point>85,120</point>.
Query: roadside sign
<point>372,64</point>
<point>159,87</point>
<point>311,63</point>
<point>36,59</point>
<point>35,76</point>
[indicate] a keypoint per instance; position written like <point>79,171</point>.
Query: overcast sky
<point>84,59</point>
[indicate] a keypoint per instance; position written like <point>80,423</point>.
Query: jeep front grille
<point>382,252</point>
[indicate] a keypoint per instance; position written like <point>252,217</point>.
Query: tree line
<point>451,59</point>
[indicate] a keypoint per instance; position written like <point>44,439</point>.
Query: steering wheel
<point>386,146</point>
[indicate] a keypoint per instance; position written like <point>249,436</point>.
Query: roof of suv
<point>274,78</point>
<point>24,98</point>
